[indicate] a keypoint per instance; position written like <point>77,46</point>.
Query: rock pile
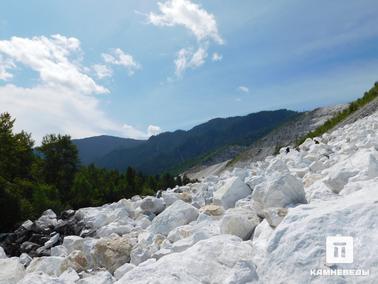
<point>266,223</point>
<point>37,238</point>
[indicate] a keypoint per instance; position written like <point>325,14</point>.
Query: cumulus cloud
<point>198,21</point>
<point>51,58</point>
<point>64,98</point>
<point>190,15</point>
<point>243,89</point>
<point>119,57</point>
<point>5,65</point>
<point>102,71</point>
<point>132,132</point>
<point>216,57</point>
<point>44,109</point>
<point>186,59</point>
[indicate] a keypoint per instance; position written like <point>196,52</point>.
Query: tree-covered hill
<point>93,148</point>
<point>170,150</point>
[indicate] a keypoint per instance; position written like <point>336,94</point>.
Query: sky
<point>135,68</point>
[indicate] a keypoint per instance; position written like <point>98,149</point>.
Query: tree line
<point>33,179</point>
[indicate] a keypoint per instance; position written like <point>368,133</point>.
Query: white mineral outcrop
<point>179,213</point>
<point>266,223</point>
<point>11,270</point>
<point>220,259</point>
<point>231,191</point>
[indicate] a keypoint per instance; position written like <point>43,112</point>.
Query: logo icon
<point>339,249</point>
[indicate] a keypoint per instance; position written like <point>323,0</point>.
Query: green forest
<point>33,179</point>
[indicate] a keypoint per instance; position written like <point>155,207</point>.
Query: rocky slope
<point>264,223</point>
<point>286,134</point>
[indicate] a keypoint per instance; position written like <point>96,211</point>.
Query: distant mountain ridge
<point>93,148</point>
<point>171,150</point>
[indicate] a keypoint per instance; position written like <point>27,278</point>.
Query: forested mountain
<point>93,148</point>
<point>170,150</point>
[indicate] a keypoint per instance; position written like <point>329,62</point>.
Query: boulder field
<point>266,223</point>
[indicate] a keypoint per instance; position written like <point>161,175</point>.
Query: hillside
<point>306,125</point>
<point>93,148</point>
<point>170,150</point>
<point>286,134</point>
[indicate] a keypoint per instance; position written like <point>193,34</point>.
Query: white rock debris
<point>266,223</point>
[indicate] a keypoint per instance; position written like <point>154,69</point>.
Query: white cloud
<point>217,57</point>
<point>198,21</point>
<point>63,100</point>
<point>153,130</point>
<point>132,132</point>
<point>186,59</point>
<point>45,109</point>
<point>102,71</point>
<point>5,65</point>
<point>118,57</point>
<point>243,89</point>
<point>190,15</point>
<point>51,58</point>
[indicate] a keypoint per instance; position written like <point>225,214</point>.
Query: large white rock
<point>97,217</point>
<point>220,259</point>
<point>261,236</point>
<point>208,227</point>
<point>11,270</point>
<point>114,227</point>
<point>188,242</point>
<point>280,191</point>
<point>152,205</point>
<point>231,191</point>
<point>239,222</point>
<point>72,243</point>
<point>69,276</point>
<point>142,222</point>
<point>41,278</point>
<point>178,214</point>
<point>120,271</point>
<point>48,219</point>
<point>169,197</point>
<point>252,181</point>
<point>99,277</point>
<point>360,164</point>
<point>2,253</point>
<point>51,265</point>
<point>339,178</point>
<point>298,244</point>
<point>59,251</point>
<point>275,166</point>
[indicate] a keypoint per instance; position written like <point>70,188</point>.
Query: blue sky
<point>135,68</point>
